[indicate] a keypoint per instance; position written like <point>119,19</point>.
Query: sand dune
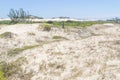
<point>91,53</point>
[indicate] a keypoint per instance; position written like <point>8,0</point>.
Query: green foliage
<point>18,15</point>
<point>76,23</point>
<point>16,51</point>
<point>6,35</point>
<point>46,27</point>
<point>7,22</point>
<point>49,22</point>
<point>2,75</point>
<point>11,68</point>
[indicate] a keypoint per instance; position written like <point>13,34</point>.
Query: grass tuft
<point>31,34</point>
<point>6,35</point>
<point>59,37</point>
<point>16,51</point>
<point>11,68</point>
<point>2,77</point>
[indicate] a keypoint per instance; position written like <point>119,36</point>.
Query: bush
<point>46,27</point>
<point>49,22</point>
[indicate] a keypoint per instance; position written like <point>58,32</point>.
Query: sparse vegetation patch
<point>31,34</point>
<point>77,24</point>
<point>6,22</point>
<point>2,77</point>
<point>46,27</point>
<point>16,51</point>
<point>11,68</point>
<point>6,35</point>
<point>59,37</point>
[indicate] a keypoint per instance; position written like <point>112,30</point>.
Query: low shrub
<point>49,22</point>
<point>46,27</point>
<point>5,22</point>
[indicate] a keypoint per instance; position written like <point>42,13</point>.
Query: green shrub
<point>2,77</point>
<point>46,27</point>
<point>6,35</point>
<point>6,22</point>
<point>71,23</point>
<point>49,22</point>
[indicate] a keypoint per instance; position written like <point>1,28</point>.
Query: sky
<point>84,9</point>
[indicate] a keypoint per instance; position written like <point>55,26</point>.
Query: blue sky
<point>70,8</point>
